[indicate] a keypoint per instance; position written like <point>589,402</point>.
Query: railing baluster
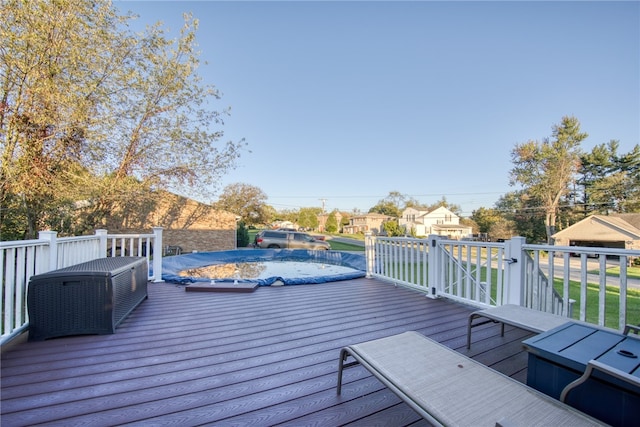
<point>622,313</point>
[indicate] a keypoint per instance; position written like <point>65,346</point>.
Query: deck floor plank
<point>269,357</point>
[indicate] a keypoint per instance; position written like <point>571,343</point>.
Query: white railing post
<point>51,237</point>
<point>369,253</point>
<point>514,265</point>
<point>433,269</point>
<point>102,244</point>
<point>157,254</point>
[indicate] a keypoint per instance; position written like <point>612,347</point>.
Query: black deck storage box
<point>88,298</point>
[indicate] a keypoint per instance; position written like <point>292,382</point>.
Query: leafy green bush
<point>242,235</point>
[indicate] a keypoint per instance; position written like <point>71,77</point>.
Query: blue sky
<point>347,101</point>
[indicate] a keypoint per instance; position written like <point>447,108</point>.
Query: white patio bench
<point>449,389</point>
<point>518,316</point>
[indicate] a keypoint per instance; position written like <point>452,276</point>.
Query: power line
<point>383,196</point>
<point>323,201</point>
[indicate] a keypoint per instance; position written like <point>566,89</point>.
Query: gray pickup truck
<point>288,240</point>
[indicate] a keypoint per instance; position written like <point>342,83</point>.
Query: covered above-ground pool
<point>264,267</point>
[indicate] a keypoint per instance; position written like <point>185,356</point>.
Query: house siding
<point>440,221</point>
<point>191,225</point>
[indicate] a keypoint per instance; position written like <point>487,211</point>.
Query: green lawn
<point>348,236</point>
<point>339,246</point>
<point>632,272</point>
<point>612,301</point>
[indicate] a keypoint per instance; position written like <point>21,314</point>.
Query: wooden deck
<point>264,358</point>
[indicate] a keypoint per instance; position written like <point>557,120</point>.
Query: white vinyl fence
<point>588,284</point>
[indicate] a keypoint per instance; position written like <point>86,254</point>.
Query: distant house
<point>609,231</point>
<point>369,222</point>
<point>440,221</point>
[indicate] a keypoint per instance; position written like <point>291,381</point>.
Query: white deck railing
<point>23,259</point>
<point>477,273</point>
<point>402,260</point>
<point>586,289</point>
<point>556,279</point>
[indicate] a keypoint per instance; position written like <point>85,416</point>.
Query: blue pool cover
<point>173,265</point>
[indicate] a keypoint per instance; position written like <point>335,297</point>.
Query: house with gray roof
<point>620,231</point>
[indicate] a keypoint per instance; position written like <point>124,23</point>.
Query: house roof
<point>600,227</point>
<point>631,218</point>
<point>451,227</point>
<point>423,213</point>
<point>373,215</point>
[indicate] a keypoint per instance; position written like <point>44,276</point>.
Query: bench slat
<point>518,316</point>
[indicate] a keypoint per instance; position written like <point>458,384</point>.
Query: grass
<point>632,272</point>
<point>612,301</point>
<point>339,246</point>
<point>348,236</point>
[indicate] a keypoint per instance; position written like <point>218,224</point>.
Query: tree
<point>393,229</point>
<point>522,216</point>
<point>610,182</point>
<point>242,235</point>
<point>92,112</point>
<point>391,205</point>
<point>290,215</point>
<point>269,214</point>
<point>50,67</point>
<point>386,208</point>
<point>346,216</point>
<point>546,169</point>
<point>332,223</point>
<point>410,202</point>
<point>396,198</point>
<point>469,223</point>
<point>244,200</point>
<point>486,218</point>
<point>502,229</point>
<point>308,217</point>
<point>444,203</point>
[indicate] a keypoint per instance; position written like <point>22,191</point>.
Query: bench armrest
<point>631,328</point>
<point>595,365</point>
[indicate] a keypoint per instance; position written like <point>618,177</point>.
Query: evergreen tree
<point>610,181</point>
<point>242,235</point>
<point>332,223</point>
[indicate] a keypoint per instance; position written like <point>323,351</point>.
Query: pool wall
<point>173,265</point>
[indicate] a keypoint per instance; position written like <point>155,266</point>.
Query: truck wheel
<point>274,247</point>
